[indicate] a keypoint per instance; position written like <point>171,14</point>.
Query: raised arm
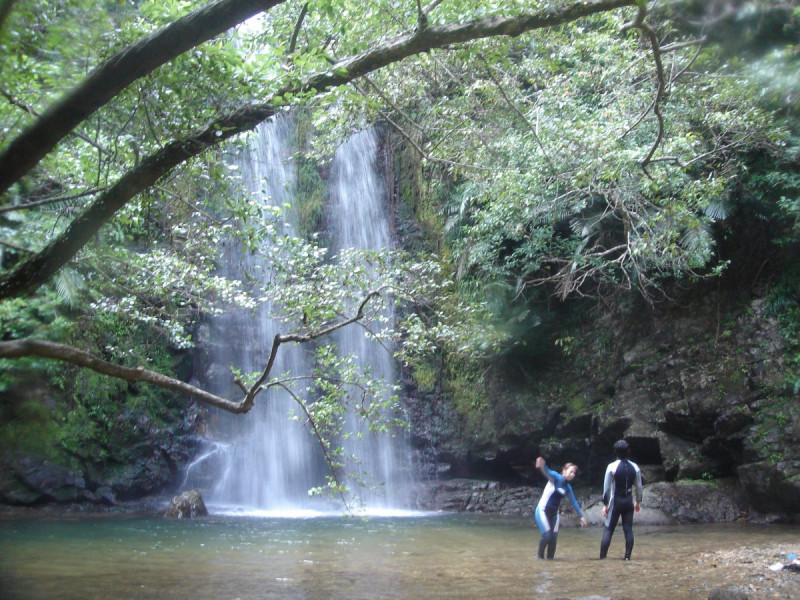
<point>542,466</point>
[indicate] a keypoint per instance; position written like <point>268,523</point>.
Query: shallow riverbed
<point>413,557</point>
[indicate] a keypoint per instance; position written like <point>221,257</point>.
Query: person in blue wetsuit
<point>622,496</point>
<point>546,513</point>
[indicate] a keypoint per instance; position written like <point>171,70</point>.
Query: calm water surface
<point>420,557</point>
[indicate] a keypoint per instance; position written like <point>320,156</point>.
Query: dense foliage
<point>550,174</point>
<point>620,151</point>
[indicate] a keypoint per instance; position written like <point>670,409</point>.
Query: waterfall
<point>357,218</point>
<point>264,461</point>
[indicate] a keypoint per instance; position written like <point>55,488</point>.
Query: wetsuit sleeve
<point>574,501</point>
<point>607,483</point>
<point>551,475</point>
<point>638,484</point>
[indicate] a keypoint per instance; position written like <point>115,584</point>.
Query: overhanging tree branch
<point>661,84</point>
<point>297,26</point>
<point>519,113</point>
<point>30,274</point>
<point>51,350</point>
<point>115,74</point>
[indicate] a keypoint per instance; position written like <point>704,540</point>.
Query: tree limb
<point>661,84</point>
<point>114,75</point>
<point>28,347</point>
<point>46,201</point>
<point>29,275</point>
<point>30,110</point>
<point>297,27</point>
<point>69,354</point>
<point>5,10</point>
<point>518,112</point>
<point>329,460</point>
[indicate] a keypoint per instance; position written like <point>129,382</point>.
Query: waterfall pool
<point>455,556</point>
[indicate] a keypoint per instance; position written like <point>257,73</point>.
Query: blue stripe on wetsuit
<point>557,487</point>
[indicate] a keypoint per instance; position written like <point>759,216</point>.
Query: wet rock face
<point>697,389</point>
<point>187,505</point>
<point>152,466</point>
<point>29,480</point>
<point>663,503</point>
<point>697,501</point>
<point>768,487</point>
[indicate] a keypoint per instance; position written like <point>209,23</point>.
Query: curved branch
<point>115,74</point>
<point>70,354</point>
<point>45,202</point>
<point>518,112</point>
<point>661,84</point>
<point>297,27</point>
<point>30,274</point>
<point>5,10</point>
<point>28,347</point>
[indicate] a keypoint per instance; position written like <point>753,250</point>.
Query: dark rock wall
<point>695,385</point>
<point>153,467</point>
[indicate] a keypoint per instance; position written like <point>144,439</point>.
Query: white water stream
<point>358,219</point>
<point>264,462</point>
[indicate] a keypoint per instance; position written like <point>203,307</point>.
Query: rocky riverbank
<point>749,573</point>
<point>664,503</point>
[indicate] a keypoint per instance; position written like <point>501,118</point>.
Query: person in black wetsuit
<point>622,496</point>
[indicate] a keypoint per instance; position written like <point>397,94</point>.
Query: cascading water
<point>358,219</point>
<point>262,461</point>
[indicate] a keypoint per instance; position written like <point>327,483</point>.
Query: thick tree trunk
<point>31,273</point>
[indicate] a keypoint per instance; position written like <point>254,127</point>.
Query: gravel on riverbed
<point>749,571</point>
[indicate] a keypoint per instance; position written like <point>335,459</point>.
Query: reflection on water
<point>437,556</point>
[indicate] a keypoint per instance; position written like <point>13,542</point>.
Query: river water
<point>413,557</point>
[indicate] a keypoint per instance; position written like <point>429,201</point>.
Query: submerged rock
<point>187,505</point>
<point>728,593</point>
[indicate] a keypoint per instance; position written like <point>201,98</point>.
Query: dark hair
<point>621,448</point>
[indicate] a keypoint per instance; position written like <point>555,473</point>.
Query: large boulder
<point>187,505</point>
<point>697,501</point>
<point>772,488</point>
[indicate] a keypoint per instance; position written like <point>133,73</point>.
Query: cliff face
<point>696,385</point>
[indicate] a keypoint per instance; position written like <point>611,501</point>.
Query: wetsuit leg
<point>627,528</point>
<point>544,543</point>
<point>552,517</point>
<point>544,527</point>
<point>609,531</point>
<point>622,507</point>
<point>547,521</point>
<point>551,547</point>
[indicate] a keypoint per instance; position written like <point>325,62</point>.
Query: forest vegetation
<point>558,157</point>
